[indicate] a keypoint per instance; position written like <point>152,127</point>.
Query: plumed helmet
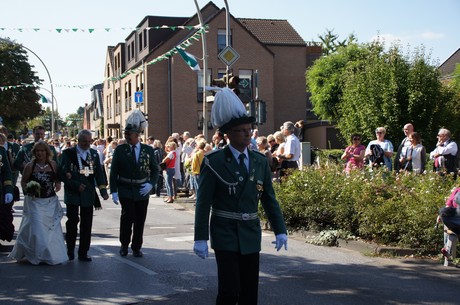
<point>228,110</point>
<point>136,122</point>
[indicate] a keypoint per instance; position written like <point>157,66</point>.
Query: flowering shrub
<point>382,206</point>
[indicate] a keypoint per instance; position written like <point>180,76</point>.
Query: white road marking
<point>119,208</point>
<point>125,261</point>
<point>152,228</point>
<point>180,238</point>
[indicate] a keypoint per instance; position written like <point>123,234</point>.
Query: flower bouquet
<point>32,189</point>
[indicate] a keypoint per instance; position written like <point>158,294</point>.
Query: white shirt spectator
<point>292,147</point>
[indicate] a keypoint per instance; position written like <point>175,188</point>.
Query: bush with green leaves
<point>380,206</point>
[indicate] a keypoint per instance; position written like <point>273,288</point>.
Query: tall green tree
<point>16,70</point>
<point>452,107</point>
<point>330,42</point>
<point>361,87</point>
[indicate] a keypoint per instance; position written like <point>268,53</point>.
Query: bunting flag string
<point>7,87</point>
<point>184,45</point>
<point>91,30</point>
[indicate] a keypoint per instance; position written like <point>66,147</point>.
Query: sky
<point>76,60</point>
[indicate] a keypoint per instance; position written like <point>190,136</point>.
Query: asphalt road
<point>170,273</point>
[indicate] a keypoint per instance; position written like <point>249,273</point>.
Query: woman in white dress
<point>40,238</point>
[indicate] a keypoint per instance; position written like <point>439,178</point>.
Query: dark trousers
<point>286,165</point>
<point>133,214</point>
<point>86,215</point>
<point>238,278</point>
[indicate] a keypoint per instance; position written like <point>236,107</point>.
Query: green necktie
<point>243,168</point>
<point>133,152</point>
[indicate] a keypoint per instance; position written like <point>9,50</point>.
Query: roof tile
<point>273,31</point>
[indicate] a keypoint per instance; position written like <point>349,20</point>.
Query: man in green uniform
<point>80,169</point>
<point>133,174</point>
<point>13,150</point>
<point>6,198</point>
<point>25,154</point>
<point>232,182</point>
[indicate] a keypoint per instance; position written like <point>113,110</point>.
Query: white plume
<point>227,105</point>
<point>136,120</point>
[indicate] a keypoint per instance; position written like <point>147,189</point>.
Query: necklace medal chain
<point>85,170</point>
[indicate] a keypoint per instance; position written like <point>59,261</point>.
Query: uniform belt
<point>235,215</point>
<point>137,181</point>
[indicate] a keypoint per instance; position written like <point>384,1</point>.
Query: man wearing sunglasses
<point>232,182</point>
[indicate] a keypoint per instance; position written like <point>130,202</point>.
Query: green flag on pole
<point>44,99</point>
<point>189,59</point>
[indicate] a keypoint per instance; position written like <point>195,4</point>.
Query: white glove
<point>145,189</point>
<point>201,248</point>
<point>8,198</point>
<point>281,239</point>
<point>115,198</point>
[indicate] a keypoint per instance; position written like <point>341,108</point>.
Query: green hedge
<point>380,206</point>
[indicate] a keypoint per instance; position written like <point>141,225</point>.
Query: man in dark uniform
<point>133,174</point>
<point>25,154</point>
<point>232,182</point>
<point>13,150</point>
<point>6,198</point>
<point>80,170</point>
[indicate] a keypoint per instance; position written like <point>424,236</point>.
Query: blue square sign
<point>138,97</point>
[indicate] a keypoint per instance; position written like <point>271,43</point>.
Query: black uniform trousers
<point>238,278</point>
<point>133,214</point>
<point>86,223</point>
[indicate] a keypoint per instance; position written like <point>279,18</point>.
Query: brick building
<point>447,68</point>
<point>172,92</point>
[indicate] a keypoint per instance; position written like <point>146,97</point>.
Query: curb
<point>361,246</point>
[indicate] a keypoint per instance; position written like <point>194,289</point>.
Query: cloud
<point>432,35</point>
<point>388,38</point>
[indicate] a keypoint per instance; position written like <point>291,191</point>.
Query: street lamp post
<point>205,70</point>
<point>49,76</point>
<point>52,103</point>
<point>205,59</point>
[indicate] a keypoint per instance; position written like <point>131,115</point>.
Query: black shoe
<point>84,258</point>
<point>71,256</point>
<point>137,253</point>
<point>123,251</point>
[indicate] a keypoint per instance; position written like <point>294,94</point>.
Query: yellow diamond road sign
<point>228,56</point>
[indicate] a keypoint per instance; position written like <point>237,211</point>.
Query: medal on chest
<point>85,170</point>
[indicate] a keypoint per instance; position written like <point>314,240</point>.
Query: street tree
<point>15,71</point>
<point>330,42</point>
<point>364,86</point>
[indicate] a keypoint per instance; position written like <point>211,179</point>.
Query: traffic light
<point>47,123</point>
<point>261,112</point>
<point>251,108</point>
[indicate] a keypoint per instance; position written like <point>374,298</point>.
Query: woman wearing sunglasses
<point>386,146</point>
<point>354,154</point>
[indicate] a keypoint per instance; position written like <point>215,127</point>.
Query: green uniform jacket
<point>69,172</point>
<point>5,174</point>
<point>13,150</point>
<point>123,166</point>
<point>24,156</point>
<point>242,236</point>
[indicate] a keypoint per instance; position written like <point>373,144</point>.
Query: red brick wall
<point>281,81</point>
